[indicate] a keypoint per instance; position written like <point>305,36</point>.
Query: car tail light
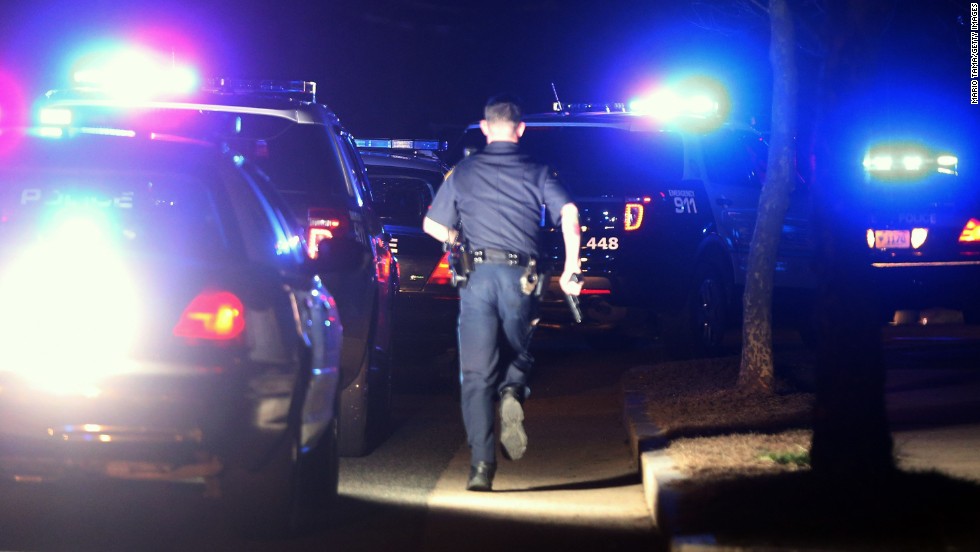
<point>586,291</point>
<point>441,275</point>
<point>212,315</point>
<point>971,231</point>
<point>325,224</point>
<point>633,217</point>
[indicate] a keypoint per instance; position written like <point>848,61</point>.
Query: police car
<point>923,232</point>
<point>310,157</point>
<point>404,176</point>
<point>162,322</point>
<point>668,195</point>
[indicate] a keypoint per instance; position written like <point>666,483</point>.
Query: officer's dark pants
<point>492,299</point>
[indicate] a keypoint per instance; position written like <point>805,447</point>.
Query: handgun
<point>572,300</point>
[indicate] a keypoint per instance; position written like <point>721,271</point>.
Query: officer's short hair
<point>503,108</point>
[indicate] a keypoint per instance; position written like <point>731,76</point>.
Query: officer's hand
<point>568,286</point>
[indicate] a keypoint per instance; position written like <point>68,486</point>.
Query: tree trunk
<point>756,370</point>
<point>851,437</point>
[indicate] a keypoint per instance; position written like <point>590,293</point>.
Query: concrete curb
<point>647,444</point>
<point>658,472</point>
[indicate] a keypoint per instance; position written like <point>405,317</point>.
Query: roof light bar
<point>297,89</point>
<point>403,144</point>
<point>905,161</point>
<point>134,73</point>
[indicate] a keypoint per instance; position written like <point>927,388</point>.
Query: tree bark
<point>851,437</point>
<point>756,371</point>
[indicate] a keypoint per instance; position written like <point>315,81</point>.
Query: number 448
<point>602,243</point>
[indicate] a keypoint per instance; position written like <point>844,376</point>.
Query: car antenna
<point>554,91</point>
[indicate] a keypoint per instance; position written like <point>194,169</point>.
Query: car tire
<point>268,503</point>
<point>709,309</point>
<point>698,329</point>
<point>355,412</point>
<point>366,406</point>
<point>321,469</point>
<point>366,402</point>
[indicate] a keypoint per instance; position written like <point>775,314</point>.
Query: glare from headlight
<point>71,312</point>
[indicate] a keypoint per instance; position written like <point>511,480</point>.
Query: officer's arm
<point>571,232</point>
<point>438,231</point>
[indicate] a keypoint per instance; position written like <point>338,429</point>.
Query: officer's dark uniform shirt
<point>497,194</point>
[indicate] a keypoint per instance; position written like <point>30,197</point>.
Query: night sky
<point>425,67</point>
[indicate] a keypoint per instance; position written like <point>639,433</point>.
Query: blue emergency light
<point>401,144</point>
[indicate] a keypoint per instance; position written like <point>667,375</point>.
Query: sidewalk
<point>935,416</point>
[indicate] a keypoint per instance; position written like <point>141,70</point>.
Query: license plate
<point>893,239</point>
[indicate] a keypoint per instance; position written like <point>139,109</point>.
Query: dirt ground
<point>747,480</point>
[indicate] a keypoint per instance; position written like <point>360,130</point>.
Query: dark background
<point>425,67</point>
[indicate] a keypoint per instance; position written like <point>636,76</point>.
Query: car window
<point>142,212</point>
<point>300,159</point>
<point>402,196</point>
<point>355,167</point>
<point>265,235</point>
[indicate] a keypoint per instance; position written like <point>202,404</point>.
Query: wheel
<point>293,493</point>
<point>365,404</point>
<point>321,469</point>
<point>698,328</point>
<point>267,503</point>
<point>709,310</point>
<point>366,407</point>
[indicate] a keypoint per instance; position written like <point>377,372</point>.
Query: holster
<point>531,280</point>
<point>460,264</point>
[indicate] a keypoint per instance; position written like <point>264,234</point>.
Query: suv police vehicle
<point>668,199</point>
<point>314,163</point>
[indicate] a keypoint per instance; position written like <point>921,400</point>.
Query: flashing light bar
<point>588,107</point>
<point>908,161</point>
<point>694,100</point>
<point>135,73</point>
<point>301,90</point>
<point>403,144</point>
<point>54,116</point>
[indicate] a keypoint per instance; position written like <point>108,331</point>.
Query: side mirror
<point>343,253</point>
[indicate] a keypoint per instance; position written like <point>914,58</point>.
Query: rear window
<point>595,161</point>
<point>402,196</point>
<point>300,158</point>
<point>154,213</point>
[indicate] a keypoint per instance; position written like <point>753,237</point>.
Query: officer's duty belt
<point>489,255</point>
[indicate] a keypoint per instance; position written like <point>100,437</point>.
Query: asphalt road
<point>932,393</point>
<point>576,489</point>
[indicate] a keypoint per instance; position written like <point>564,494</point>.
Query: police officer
<point>496,197</point>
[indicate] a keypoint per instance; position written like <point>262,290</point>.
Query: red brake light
<point>441,275</point>
<point>324,224</point>
<point>212,315</point>
<point>596,291</point>
<point>971,232</point>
